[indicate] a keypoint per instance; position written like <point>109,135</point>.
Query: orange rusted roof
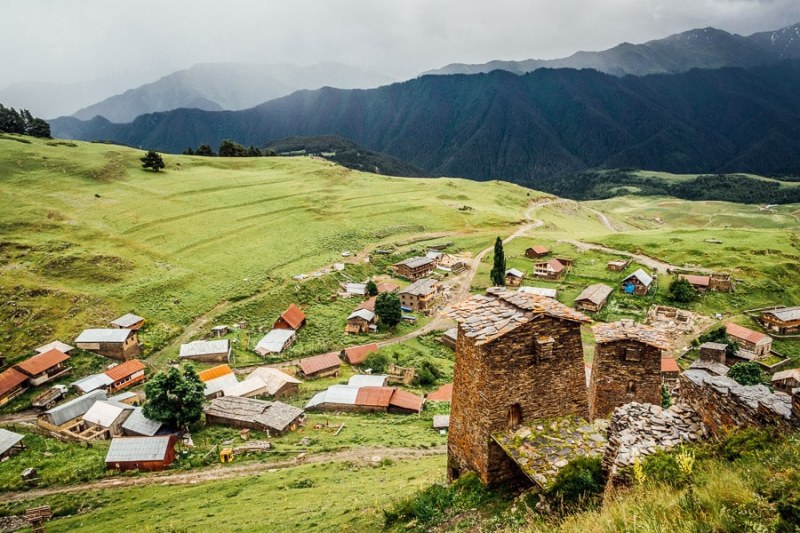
<point>318,363</point>
<point>406,400</point>
<point>442,394</point>
<point>213,373</point>
<point>670,365</point>
<point>123,370</point>
<point>746,334</point>
<point>294,316</point>
<point>356,355</point>
<point>10,379</point>
<point>374,396</point>
<point>539,249</point>
<point>42,362</point>
<point>701,281</point>
<point>628,329</point>
<point>368,304</point>
<point>388,286</point>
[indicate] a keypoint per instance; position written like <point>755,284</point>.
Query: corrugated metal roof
<point>421,287</point>
<point>740,332</point>
<point>670,365</point>
<point>415,262</point>
<point>105,413</point>
<point>367,380</point>
<point>294,316</point>
<point>275,340</point>
<point>406,400</point>
<point>335,394</point>
<point>140,424</point>
<point>441,421</point>
<point>356,288</point>
<point>702,281</point>
<point>272,378</point>
<point>246,388</point>
<point>42,362</point>
<point>93,382</point>
<point>127,320</point>
<point>312,365</point>
<point>785,314</point>
<point>123,370</point>
<point>366,314</point>
<point>74,408</point>
<point>374,396</point>
<point>200,348</point>
<point>596,293</point>
<point>103,335</point>
<point>138,449</point>
<point>356,355</point>
<point>214,372</point>
<point>514,272</point>
<point>221,383</point>
<point>10,379</point>
<point>8,439</point>
<point>642,276</point>
<point>122,396</point>
<point>442,394</point>
<point>539,249</point>
<point>55,345</point>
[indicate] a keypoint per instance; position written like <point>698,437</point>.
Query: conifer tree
<point>498,274</point>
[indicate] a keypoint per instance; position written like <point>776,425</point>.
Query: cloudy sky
<point>70,41</point>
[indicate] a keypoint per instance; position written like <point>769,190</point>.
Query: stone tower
<point>626,366</point>
<point>519,358</point>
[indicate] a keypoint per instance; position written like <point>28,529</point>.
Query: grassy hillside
<point>86,233</point>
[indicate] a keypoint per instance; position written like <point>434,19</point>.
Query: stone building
<point>415,268</point>
<point>752,344</point>
<point>713,351</point>
<point>626,366</point>
<point>518,358</point>
<point>420,295</point>
<point>120,344</point>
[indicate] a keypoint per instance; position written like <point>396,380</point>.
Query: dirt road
<point>660,266</point>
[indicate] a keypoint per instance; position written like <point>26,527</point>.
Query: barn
<point>147,454</point>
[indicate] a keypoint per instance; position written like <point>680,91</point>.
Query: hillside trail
<point>362,456</point>
<point>659,266</point>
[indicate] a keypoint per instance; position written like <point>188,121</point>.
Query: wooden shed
<point>782,321</point>
<point>120,344</point>
<point>44,367</point>
<point>638,283</point>
<point>12,384</point>
<point>320,366</point>
<point>535,252</point>
<point>147,454</point>
<point>293,318</point>
<point>128,321</point>
<point>594,297</point>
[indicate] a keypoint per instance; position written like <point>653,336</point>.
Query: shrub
<point>681,291</point>
<point>745,441</point>
<point>662,467</point>
<point>427,373</point>
<point>377,361</point>
<point>747,373</point>
<point>579,480</point>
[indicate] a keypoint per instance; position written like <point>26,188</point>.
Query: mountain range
<point>525,128</point>
<point>700,48</point>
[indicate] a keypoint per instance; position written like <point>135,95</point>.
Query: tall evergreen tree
<point>498,274</point>
<point>153,160</point>
<point>204,150</point>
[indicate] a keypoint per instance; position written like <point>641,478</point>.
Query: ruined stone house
<point>519,358</point>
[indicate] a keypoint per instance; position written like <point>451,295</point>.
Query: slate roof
<point>92,382</point>
<point>201,348</point>
<point>366,314</point>
<point>367,380</point>
<point>628,329</point>
<point>103,335</point>
<point>713,367</point>
<point>138,449</point>
<point>596,293</point>
<point>785,314</point>
<point>10,379</point>
<point>123,370</point>
<point>127,320</point>
<point>294,316</point>
<point>55,345</point>
<point>312,365</point>
<point>488,316</point>
<point>415,262</point>
<point>792,373</point>
<point>42,362</point>
<point>104,413</point>
<point>272,378</point>
<point>275,340</point>
<point>74,408</point>
<point>356,355</point>
<point>140,424</point>
<point>421,287</point>
<point>8,439</point>
<point>273,415</point>
<point>541,291</point>
<point>645,278</point>
<point>741,332</point>
<point>718,346</point>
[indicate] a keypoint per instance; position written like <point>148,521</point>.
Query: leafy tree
<point>204,150</point>
<point>387,307</point>
<point>427,373</point>
<point>498,274</point>
<point>188,151</point>
<point>377,361</point>
<point>152,159</point>
<point>175,397</point>
<point>747,373</point>
<point>680,290</point>
<point>228,148</point>
<point>22,122</point>
<point>39,128</point>
<point>372,289</point>
<point>253,152</point>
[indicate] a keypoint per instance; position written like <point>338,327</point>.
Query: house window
<point>631,387</point>
<point>632,354</point>
<point>514,416</point>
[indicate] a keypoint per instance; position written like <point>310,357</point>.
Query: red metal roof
<point>388,286</point>
<point>556,265</point>
<point>294,316</point>
<point>406,400</point>
<point>539,249</point>
<point>374,396</point>
<point>442,394</point>
<point>670,365</point>
<point>368,304</point>
<point>318,363</point>
<point>701,281</point>
<point>123,370</point>
<point>213,373</point>
<point>42,362</point>
<point>356,355</point>
<point>10,379</point>
<point>746,334</point>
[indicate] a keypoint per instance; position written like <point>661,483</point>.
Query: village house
<point>699,283</point>
<point>273,418</point>
<point>44,367</point>
<point>354,289</point>
<point>539,291</point>
<point>120,344</point>
<point>356,355</point>
<point>216,351</point>
<point>782,321</point>
<point>293,318</point>
<point>536,252</point>
<point>265,381</point>
<point>637,283</point>
<point>146,454</point>
<point>420,295</point>
<point>449,337</point>
<point>104,419</point>
<point>670,371</point>
<point>220,331</point>
<point>514,277</point>
<point>12,384</point>
<point>617,265</point>
<point>626,366</point>
<point>368,380</point>
<point>320,366</point>
<point>387,286</point>
<point>593,298</point>
<point>415,268</point>
<point>552,269</point>
<point>786,380</point>
<point>361,321</point>
<point>138,425</point>
<point>10,443</point>
<point>128,321</point>
<point>442,394</point>
<point>125,375</point>
<point>435,256</point>
<point>91,383</point>
<point>61,417</point>
<point>713,351</point>
<point>366,400</point>
<point>217,379</point>
<point>55,345</point>
<point>519,358</point>
<point>752,344</point>
<point>276,341</point>
<point>368,304</point>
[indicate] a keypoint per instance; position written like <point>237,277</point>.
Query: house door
<point>514,416</point>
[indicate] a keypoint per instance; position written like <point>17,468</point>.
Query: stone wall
<point>624,371</point>
<point>509,381</point>
<point>722,403</point>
